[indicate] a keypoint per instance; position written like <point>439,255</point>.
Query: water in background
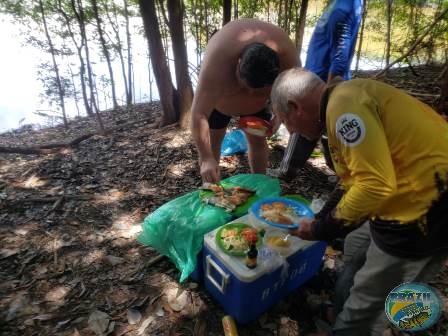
<point>20,89</point>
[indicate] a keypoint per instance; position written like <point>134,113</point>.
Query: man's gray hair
<point>294,83</point>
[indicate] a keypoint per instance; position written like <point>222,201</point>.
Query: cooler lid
<point>267,261</point>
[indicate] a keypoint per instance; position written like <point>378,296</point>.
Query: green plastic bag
<point>176,229</point>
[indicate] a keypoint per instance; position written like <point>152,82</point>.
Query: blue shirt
<point>333,41</point>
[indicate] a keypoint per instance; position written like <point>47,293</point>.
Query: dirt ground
<point>69,260</point>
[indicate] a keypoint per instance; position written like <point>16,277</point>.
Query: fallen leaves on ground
<point>69,261</point>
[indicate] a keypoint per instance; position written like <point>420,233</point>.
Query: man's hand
<point>210,171</point>
<point>305,230</point>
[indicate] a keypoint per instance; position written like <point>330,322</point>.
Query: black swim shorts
<point>217,120</point>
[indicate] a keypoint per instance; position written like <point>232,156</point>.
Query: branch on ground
<point>57,147</point>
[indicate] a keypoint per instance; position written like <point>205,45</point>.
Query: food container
<point>280,241</point>
<point>246,293</point>
<point>295,210</point>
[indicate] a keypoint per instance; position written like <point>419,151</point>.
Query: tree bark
<point>130,93</point>
<point>78,9</point>
<point>388,30</point>
<point>55,65</point>
<point>226,11</point>
<point>78,46</point>
<point>176,11</point>
<point>361,35</point>
<point>235,10</point>
<point>158,61</point>
<point>126,66</point>
<point>300,31</point>
<point>105,50</point>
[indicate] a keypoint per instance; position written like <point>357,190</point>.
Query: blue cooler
<point>246,293</point>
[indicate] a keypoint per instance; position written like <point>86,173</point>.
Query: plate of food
<point>255,126</point>
<point>233,198</point>
<point>236,238</point>
<point>280,212</point>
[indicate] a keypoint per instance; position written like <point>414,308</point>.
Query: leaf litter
<point>69,261</point>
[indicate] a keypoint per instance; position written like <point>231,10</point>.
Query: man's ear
<point>293,107</point>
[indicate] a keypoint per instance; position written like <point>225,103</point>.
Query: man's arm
<point>203,103</point>
<point>367,160</point>
<point>341,32</point>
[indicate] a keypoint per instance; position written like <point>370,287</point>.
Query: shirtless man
<point>241,62</point>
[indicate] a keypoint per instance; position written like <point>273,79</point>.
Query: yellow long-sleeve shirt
<point>386,147</point>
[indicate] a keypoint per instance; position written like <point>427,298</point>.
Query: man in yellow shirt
<point>391,154</point>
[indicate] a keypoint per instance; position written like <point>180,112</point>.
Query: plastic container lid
<point>237,264</point>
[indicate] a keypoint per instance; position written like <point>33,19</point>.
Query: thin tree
<point>226,11</point>
<point>80,15</point>
<point>129,93</point>
<point>301,21</point>
<point>388,30</point>
<point>361,35</point>
<point>176,10</point>
<point>119,47</point>
<point>55,64</point>
<point>235,10</point>
<point>79,49</point>
<point>105,51</point>
<point>159,63</point>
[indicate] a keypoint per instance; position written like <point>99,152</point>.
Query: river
<point>21,90</point>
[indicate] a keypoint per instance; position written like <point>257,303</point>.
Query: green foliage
<point>410,19</point>
<point>202,19</point>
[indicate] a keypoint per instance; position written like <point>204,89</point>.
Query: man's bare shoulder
<point>235,35</point>
<point>255,24</point>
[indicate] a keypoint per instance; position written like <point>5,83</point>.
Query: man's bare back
<point>218,71</point>
<point>240,64</point>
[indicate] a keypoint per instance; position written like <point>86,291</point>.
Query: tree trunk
<point>287,18</point>
<point>280,15</point>
<point>361,35</point>
<point>105,51</point>
<point>176,11</point>
<point>158,60</point>
<point>129,94</point>
<point>226,11</point>
<point>78,46</point>
<point>235,10</point>
<point>206,23</point>
<point>388,30</point>
<point>300,31</point>
<point>114,25</point>
<point>196,31</point>
<point>55,65</point>
<point>80,17</point>
<point>75,92</point>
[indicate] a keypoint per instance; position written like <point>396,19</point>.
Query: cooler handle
<point>224,276</point>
